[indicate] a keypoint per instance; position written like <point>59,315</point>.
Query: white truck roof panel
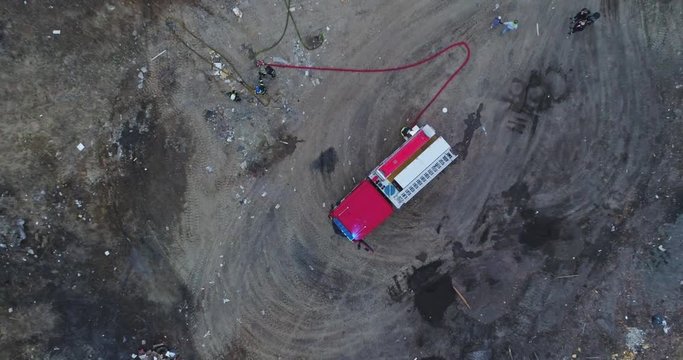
<point>422,162</point>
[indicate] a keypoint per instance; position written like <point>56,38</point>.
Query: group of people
<point>264,71</point>
<point>582,19</point>
<point>579,22</point>
<point>507,25</point>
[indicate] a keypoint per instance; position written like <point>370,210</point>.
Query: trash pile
<point>218,67</point>
<point>158,352</point>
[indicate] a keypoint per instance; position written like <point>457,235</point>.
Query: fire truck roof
<point>360,212</point>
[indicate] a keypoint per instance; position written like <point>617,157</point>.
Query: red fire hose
<point>396,68</point>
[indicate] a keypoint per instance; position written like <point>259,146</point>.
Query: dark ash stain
<point>517,194</point>
<point>485,235</point>
<point>421,256</point>
<point>270,154</point>
<point>438,227</point>
<point>675,207</point>
<point>433,292</point>
<point>538,230</point>
<point>473,122</point>
<point>434,298</point>
<point>529,98</point>
<point>460,253</point>
<point>326,162</point>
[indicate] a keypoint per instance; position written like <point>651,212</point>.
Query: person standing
<point>510,25</point>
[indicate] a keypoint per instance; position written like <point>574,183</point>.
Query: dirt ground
<point>201,222</point>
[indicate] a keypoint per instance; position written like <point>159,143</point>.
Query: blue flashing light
<point>343,229</point>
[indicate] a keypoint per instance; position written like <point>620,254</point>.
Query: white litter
<point>264,194</point>
<point>56,32</point>
<point>80,147</point>
<point>159,54</point>
<point>661,248</point>
<point>225,301</point>
<point>277,206</point>
<point>106,253</point>
<point>444,110</point>
<point>537,33</point>
<point>237,12</point>
<point>10,310</point>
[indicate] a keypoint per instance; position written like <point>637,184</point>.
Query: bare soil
<point>201,222</point>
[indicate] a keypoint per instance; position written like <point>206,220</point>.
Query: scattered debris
<point>635,338</point>
<point>234,96</point>
<point>237,12</point>
<point>218,66</point>
<point>461,297</point>
<point>80,146</point>
<point>159,351</point>
<point>157,55</point>
<point>659,321</point>
<point>11,234</point>
<point>209,169</point>
<point>141,77</point>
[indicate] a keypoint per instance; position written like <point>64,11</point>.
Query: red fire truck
<point>393,183</point>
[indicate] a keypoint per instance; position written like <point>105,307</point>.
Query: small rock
<point>30,251</point>
<point>209,169</point>
<point>10,310</point>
